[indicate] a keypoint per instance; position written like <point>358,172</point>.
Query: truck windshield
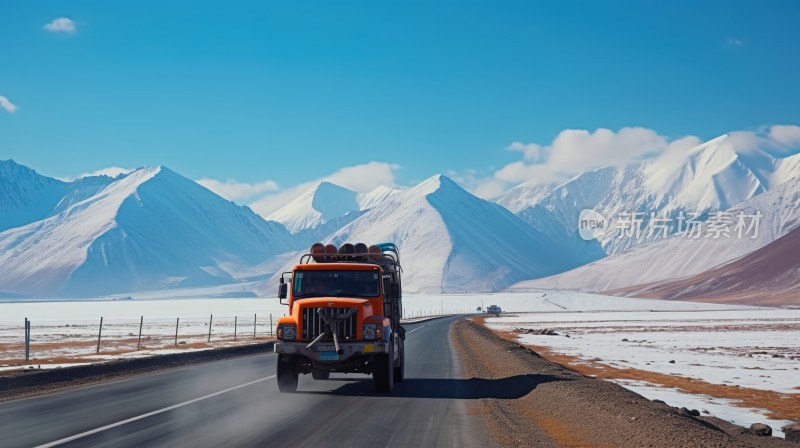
<point>336,284</point>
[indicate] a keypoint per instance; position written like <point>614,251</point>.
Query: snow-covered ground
<point>735,346</point>
<point>66,332</point>
<point>720,344</point>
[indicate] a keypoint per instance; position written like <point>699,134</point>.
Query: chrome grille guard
<point>332,318</point>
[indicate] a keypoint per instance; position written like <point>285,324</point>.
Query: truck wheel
<point>383,373</point>
<point>320,374</point>
<point>400,368</point>
<point>287,375</point>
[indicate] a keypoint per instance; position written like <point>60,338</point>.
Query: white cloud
<point>6,104</point>
<point>112,171</point>
<point>472,182</point>
<point>734,42</point>
<point>365,177</point>
<point>533,153</point>
<point>778,140</point>
<point>234,190</point>
<point>575,151</point>
<point>572,152</point>
<point>787,135</point>
<point>359,178</point>
<point>61,25</point>
<point>745,141</point>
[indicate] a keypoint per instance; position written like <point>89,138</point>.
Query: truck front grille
<point>314,322</point>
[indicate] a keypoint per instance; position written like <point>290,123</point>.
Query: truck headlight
<point>371,332</point>
<point>287,331</point>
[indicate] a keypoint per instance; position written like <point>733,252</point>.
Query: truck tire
<point>320,374</point>
<point>287,375</point>
<point>383,373</point>
<point>400,368</point>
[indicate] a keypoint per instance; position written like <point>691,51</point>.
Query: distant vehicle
<point>493,309</point>
<point>344,316</point>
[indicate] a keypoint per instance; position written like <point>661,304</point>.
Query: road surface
<point>236,403</point>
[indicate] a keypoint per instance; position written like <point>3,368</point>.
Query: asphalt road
<point>237,403</point>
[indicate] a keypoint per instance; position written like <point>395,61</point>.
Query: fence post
<point>27,339</point>
<point>255,319</point>
<point>210,321</point>
<point>99,333</point>
<point>177,322</point>
<point>235,324</point>
<point>270,325</point>
<point>139,342</point>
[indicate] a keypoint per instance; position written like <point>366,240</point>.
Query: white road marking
<point>418,328</point>
<point>149,414</point>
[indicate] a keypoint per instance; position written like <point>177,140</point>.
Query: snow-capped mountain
<point>153,229</point>
<point>768,276</point>
<point>149,229</point>
<point>380,194</point>
<point>681,256</point>
<point>710,177</point>
<point>326,208</point>
<point>322,203</point>
<point>452,241</point>
<point>26,196</point>
<point>524,195</point>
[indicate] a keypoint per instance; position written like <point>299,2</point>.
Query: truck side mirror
<point>282,289</point>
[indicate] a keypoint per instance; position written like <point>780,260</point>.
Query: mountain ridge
<point>768,276</point>
<point>149,229</point>
<point>452,241</point>
<point>710,177</point>
<point>678,256</point>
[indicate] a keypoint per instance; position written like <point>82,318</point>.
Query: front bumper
<point>325,352</point>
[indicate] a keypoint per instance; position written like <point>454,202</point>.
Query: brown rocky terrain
<point>563,407</point>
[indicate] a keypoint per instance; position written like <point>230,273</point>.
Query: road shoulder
<point>555,406</point>
<point>34,382</point>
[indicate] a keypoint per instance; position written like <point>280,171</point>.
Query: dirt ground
<point>553,406</point>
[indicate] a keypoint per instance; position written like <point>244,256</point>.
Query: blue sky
<point>281,93</point>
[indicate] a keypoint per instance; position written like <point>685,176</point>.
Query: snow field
<point>734,346</point>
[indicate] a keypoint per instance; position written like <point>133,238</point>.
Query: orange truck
<point>344,315</point>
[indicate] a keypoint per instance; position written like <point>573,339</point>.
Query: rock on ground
<point>761,429</point>
<point>792,432</point>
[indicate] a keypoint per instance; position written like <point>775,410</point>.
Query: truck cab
<point>344,316</point>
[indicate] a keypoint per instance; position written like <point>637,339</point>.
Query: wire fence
<point>52,341</point>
